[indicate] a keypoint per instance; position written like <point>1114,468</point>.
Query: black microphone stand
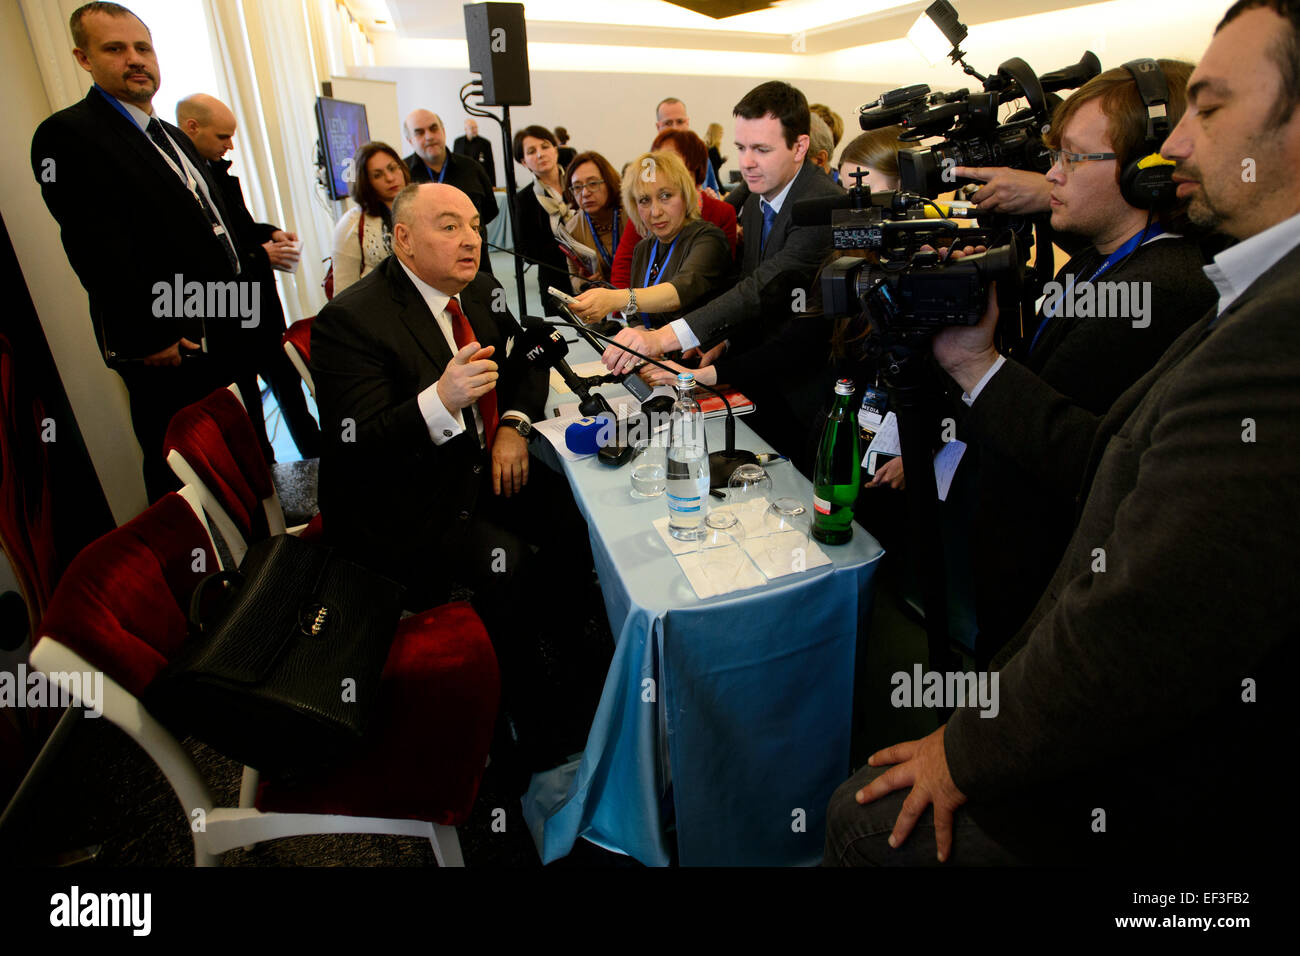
<point>721,463</point>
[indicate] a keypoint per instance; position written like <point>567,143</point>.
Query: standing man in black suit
<point>1149,693</point>
<point>772,145</point>
<point>477,148</point>
<point>210,125</point>
<point>432,162</point>
<point>141,223</point>
<point>425,474</point>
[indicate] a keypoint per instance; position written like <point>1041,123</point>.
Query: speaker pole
<point>512,204</point>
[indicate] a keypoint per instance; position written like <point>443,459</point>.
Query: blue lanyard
<point>446,161</point>
<point>606,257</point>
<point>117,105</point>
<point>1143,237</point>
<point>645,282</point>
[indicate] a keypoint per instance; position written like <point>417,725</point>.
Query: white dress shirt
<point>443,424</point>
<point>1237,267</point>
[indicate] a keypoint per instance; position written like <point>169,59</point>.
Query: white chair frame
<point>296,358</point>
<point>208,501</point>
<point>218,829</point>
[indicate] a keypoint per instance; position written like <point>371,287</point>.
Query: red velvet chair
<point>26,521</point>
<point>297,345</point>
<point>211,446</point>
<point>121,608</point>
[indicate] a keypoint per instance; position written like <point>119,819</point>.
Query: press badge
<point>875,402</point>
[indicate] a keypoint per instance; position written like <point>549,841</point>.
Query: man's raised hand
<point>1015,192</point>
<point>468,377</point>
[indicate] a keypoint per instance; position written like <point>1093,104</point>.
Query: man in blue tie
<point>141,221</point>
<point>772,123</point>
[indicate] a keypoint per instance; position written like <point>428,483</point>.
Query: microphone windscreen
<point>583,437</point>
<point>544,346</point>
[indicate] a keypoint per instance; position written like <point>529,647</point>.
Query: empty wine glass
<point>749,489</point>
<point>721,550</point>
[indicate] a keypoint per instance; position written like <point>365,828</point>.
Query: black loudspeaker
<point>498,49</point>
<point>1146,182</point>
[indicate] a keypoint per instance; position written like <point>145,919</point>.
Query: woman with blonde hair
<point>713,140</point>
<point>680,262</point>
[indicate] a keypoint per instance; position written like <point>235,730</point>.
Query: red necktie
<point>463,334</point>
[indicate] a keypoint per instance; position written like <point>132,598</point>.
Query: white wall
<point>613,115</point>
<point>97,396</point>
<point>605,95</point>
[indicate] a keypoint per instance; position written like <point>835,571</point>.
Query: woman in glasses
<point>364,234</point>
<point>680,262</point>
<point>599,222</point>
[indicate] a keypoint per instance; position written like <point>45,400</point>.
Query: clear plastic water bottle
<point>688,464</point>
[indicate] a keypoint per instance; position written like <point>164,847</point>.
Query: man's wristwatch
<point>630,309</point>
<point>519,425</point>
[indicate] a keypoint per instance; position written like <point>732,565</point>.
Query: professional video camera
<point>919,296</point>
<point>970,123</point>
<point>910,285</point>
<point>896,224</point>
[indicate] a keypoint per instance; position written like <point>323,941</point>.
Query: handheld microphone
<point>721,463</point>
<point>540,346</point>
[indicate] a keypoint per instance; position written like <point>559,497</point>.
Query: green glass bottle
<point>836,474</point>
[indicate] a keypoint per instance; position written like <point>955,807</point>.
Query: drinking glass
<point>649,468</point>
<point>786,534</point>
<point>721,549</point>
<point>749,489</point>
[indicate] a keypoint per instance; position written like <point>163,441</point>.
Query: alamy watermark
<point>233,299</point>
<point>1099,300</point>
<point>62,689</point>
<point>950,690</point>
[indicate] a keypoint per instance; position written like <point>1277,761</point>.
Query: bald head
<point>424,131</point>
<point>435,235</point>
<point>208,122</point>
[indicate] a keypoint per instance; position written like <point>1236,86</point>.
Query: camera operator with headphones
<point>1110,313</point>
<point>1143,709</point>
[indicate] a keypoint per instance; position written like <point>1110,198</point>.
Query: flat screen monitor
<point>343,130</point>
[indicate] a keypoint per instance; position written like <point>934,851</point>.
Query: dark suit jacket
<point>127,222</point>
<point>789,260</point>
<point>1124,690</point>
<point>480,150</point>
<point>253,260</point>
<point>388,495</point>
<point>466,175</point>
<point>536,241</point>
<point>1019,526</point>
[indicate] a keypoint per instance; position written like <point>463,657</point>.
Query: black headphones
<point>1146,182</point>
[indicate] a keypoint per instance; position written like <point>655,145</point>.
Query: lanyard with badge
<point>647,281</point>
<point>1148,234</point>
<point>605,257</point>
<point>185,174</point>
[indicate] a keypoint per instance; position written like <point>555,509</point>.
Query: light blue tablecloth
<point>730,717</point>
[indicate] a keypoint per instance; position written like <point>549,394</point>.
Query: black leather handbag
<point>283,673</point>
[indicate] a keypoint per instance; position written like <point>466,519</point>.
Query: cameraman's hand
<point>468,376</point>
<point>1012,191</point>
<point>966,352</point>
